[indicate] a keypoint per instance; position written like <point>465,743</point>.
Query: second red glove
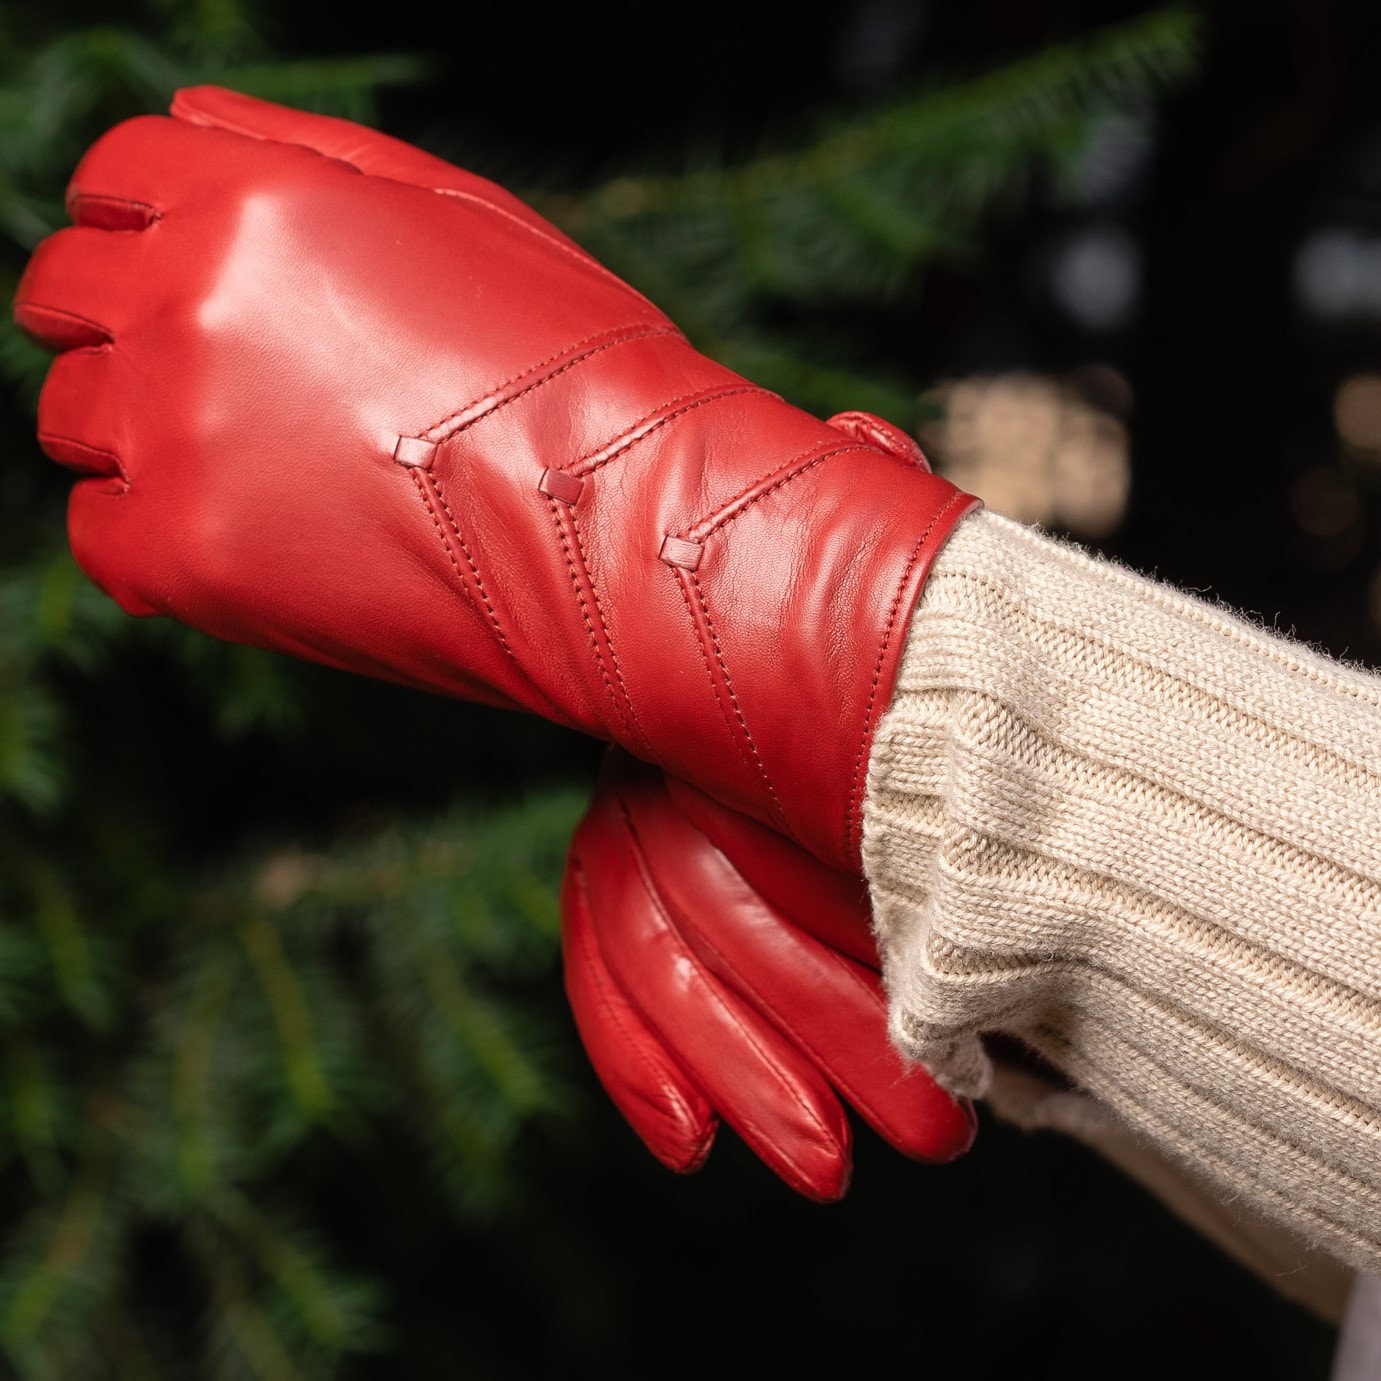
<point>702,987</point>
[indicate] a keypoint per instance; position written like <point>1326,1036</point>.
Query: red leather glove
<point>338,398</point>
<point>698,992</point>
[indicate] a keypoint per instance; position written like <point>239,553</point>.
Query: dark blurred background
<point>287,1084</point>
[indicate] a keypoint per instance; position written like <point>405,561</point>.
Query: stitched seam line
<point>684,586</point>
<point>441,533</point>
<point>585,613</point>
<point>426,482</point>
<point>860,763</point>
<point>621,336</point>
<point>721,518</point>
<point>474,570</point>
<point>422,487</point>
<point>625,442</point>
<point>689,577</point>
<point>711,988</point>
<point>555,374</point>
<point>631,713</point>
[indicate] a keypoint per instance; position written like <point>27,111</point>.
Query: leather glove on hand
<point>715,968</point>
<point>338,398</point>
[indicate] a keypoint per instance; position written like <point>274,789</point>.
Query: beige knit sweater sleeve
<point>1143,835</point>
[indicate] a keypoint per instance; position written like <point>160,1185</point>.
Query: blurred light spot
<point>1357,412</point>
<point>1096,278</point>
<point>1325,505</point>
<point>1114,160</point>
<point>1091,474</point>
<point>1035,449</point>
<point>881,35</point>
<point>284,878</point>
<point>1338,274</point>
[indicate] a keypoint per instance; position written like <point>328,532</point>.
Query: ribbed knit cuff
<point>1143,835</point>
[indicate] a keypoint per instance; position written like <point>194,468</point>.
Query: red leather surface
<point>257,306</point>
<point>696,995</point>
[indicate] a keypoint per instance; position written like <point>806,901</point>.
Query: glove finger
<point>78,424</point>
<point>81,288</point>
<point>835,1009</point>
<point>830,904</point>
<point>132,174</point>
<point>656,1096</point>
<point>759,1083</point>
<point>371,152</point>
<point>832,1007</point>
<point>106,543</point>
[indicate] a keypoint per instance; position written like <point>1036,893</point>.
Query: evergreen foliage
<point>206,1009</point>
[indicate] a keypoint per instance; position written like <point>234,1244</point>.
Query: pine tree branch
<point>291,1014</point>
<point>1014,109</point>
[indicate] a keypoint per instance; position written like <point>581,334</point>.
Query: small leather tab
<point>415,451</point>
<point>877,431</point>
<point>676,551</point>
<point>557,484</point>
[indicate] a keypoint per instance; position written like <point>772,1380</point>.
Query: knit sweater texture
<point>1143,835</point>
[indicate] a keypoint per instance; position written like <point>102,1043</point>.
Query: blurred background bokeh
<point>287,1084</point>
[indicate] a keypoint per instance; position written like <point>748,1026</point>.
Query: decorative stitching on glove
<point>707,638</point>
<point>871,708</point>
<point>668,412</point>
<point>608,640</point>
<point>429,487</point>
<point>499,396</point>
<point>426,482</point>
<point>611,674</point>
<point>747,497</point>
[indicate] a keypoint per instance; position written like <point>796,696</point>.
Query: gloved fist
<point>340,399</point>
<point>702,987</point>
